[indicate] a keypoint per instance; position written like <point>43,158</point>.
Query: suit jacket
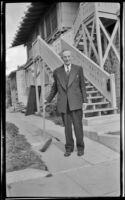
<point>74,91</point>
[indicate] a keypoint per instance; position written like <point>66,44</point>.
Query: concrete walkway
<point>97,173</point>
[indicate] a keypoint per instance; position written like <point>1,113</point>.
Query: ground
<point>19,152</point>
<point>97,173</point>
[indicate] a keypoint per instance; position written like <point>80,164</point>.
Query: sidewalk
<point>97,173</point>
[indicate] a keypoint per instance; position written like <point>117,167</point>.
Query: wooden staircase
<point>99,99</point>
<point>97,104</point>
<point>88,27</point>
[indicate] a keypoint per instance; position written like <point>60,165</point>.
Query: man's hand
<point>45,101</point>
<point>41,105</point>
<point>84,106</point>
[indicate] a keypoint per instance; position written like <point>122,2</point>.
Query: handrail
<point>96,75</point>
<point>50,57</point>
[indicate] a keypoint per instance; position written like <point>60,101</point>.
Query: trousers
<point>73,117</point>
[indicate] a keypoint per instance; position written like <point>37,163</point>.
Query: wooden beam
<point>98,34</point>
<point>79,38</point>
<point>110,40</point>
<point>84,39</point>
<point>108,15</point>
<point>88,21</point>
<point>42,80</point>
<point>50,57</point>
<point>92,33</point>
<point>35,80</point>
<point>43,94</point>
<point>93,47</point>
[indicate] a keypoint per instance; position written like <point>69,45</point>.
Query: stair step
<point>98,110</point>
<point>81,43</point>
<point>92,92</point>
<point>87,83</point>
<point>97,97</point>
<point>97,103</point>
<point>104,119</point>
<point>89,86</point>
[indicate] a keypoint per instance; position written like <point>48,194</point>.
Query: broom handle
<point>43,94</point>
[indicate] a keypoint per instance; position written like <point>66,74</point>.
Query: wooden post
<point>83,31</point>
<point>35,80</point>
<point>42,78</point>
<point>113,90</point>
<point>84,39</point>
<point>92,32</point>
<point>98,34</point>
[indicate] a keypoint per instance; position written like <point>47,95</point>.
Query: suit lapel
<point>72,74</point>
<point>62,77</point>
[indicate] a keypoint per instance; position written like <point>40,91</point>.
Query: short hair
<point>61,54</point>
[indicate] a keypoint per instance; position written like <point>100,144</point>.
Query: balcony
<point>87,10</point>
<point>108,7</point>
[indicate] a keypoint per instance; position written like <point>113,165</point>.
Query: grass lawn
<point>19,153</point>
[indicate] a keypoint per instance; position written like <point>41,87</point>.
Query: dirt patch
<point>19,153</point>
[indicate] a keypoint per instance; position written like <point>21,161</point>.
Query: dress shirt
<point>67,68</point>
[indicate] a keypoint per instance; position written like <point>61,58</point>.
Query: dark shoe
<point>80,153</point>
<point>67,153</point>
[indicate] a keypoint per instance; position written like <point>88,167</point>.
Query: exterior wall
<point>51,23</point>
<point>65,14</point>
<point>31,39</point>
<point>68,36</point>
<point>29,50</point>
<point>8,93</point>
<point>14,97</point>
<point>21,86</point>
<point>68,10</point>
<point>29,78</point>
<point>13,88</point>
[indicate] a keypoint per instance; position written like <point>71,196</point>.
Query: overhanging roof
<point>33,14</point>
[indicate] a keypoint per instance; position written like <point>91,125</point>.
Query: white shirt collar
<point>69,66</point>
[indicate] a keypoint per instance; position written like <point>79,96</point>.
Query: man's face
<point>66,56</point>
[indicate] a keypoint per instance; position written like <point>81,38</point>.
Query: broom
<point>49,141</point>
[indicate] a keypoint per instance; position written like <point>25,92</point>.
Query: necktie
<point>67,70</point>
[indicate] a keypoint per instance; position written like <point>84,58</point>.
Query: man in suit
<point>69,84</point>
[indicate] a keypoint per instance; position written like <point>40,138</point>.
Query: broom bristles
<point>46,145</point>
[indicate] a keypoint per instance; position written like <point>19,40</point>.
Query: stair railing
<point>103,81</point>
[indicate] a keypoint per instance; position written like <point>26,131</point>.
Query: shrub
<point>19,153</point>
